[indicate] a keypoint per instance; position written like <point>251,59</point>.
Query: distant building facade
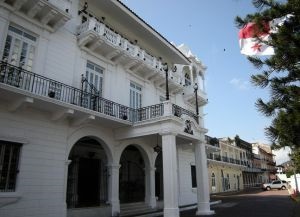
<point>235,164</point>
<point>267,162</point>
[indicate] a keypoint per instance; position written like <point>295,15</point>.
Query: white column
<point>67,163</point>
<point>152,198</point>
<point>203,205</point>
<point>170,175</point>
<point>114,188</point>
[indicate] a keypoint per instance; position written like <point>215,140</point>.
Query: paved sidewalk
<point>252,203</point>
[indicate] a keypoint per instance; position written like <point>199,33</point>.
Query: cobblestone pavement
<point>257,203</point>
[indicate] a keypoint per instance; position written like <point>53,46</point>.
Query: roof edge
<point>169,44</point>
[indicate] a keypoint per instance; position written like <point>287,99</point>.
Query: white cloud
<point>240,84</point>
<point>282,155</point>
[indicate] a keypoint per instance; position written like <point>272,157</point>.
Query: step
<point>135,209</point>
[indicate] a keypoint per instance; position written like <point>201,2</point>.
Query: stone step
<point>135,209</point>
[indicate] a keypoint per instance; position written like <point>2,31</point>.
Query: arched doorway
<point>159,183</point>
<point>87,174</point>
<point>132,176</point>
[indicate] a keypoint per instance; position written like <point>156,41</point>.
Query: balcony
<point>221,160</point>
<point>23,87</point>
<point>96,37</point>
<point>189,96</point>
<point>212,144</point>
<point>50,15</point>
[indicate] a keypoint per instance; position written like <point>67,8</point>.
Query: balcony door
<point>94,77</point>
<point>92,86</point>
<point>19,48</point>
<point>135,96</point>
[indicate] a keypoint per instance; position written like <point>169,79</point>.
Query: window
<point>9,160</point>
<point>187,79</point>
<point>94,76</point>
<point>92,86</point>
<point>19,48</point>
<point>194,178</point>
<point>135,95</point>
<point>213,180</point>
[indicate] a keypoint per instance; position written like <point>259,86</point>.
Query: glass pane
<point>90,65</point>
<point>15,30</point>
<point>23,53</point>
<point>15,52</point>
<point>32,38</point>
<point>7,47</point>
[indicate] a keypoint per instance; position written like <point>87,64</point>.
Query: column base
<point>171,212</point>
<point>152,202</point>
<point>205,212</point>
<point>204,209</point>
<point>115,208</point>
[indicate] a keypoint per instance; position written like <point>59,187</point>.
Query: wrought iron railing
<point>178,111</point>
<point>43,86</point>
<point>218,157</point>
<point>149,112</point>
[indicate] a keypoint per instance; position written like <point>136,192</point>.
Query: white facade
<point>83,104</point>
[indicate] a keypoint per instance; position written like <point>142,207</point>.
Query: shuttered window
<point>9,163</point>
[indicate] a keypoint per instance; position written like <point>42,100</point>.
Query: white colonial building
<point>97,112</point>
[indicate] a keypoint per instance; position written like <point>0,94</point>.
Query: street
<point>274,203</point>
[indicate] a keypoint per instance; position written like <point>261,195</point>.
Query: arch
<point>187,79</point>
<point>94,133</point>
<point>145,152</point>
<point>87,180</point>
<point>132,175</point>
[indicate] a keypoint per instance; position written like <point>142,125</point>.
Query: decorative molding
<point>188,127</point>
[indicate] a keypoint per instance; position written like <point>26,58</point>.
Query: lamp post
<point>166,68</point>
<point>195,91</point>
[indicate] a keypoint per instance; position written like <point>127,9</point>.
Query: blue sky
<point>208,28</point>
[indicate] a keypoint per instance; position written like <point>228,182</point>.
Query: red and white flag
<point>248,36</point>
<point>250,45</point>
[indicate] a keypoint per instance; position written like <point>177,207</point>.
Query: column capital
<point>152,169</point>
<point>168,133</point>
<point>113,166</point>
<point>67,162</point>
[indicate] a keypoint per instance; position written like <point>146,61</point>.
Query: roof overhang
<point>124,20</point>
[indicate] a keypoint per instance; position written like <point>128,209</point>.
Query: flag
<point>249,42</point>
<point>249,34</point>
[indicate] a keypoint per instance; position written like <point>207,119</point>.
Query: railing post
<point>167,108</point>
<point>92,23</point>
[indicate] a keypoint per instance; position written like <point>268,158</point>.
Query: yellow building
<point>226,163</point>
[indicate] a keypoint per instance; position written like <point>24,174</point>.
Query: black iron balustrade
<point>225,159</point>
<point>237,161</point>
<point>217,157</point>
<point>178,111</point>
<point>149,112</point>
<point>43,86</point>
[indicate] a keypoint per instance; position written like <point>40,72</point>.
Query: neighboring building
<point>98,110</point>
<point>267,163</point>
<point>251,173</point>
<point>231,165</point>
<point>226,163</point>
<point>285,167</point>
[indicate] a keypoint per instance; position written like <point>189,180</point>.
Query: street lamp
<point>166,68</point>
<point>157,148</point>
<point>195,91</point>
